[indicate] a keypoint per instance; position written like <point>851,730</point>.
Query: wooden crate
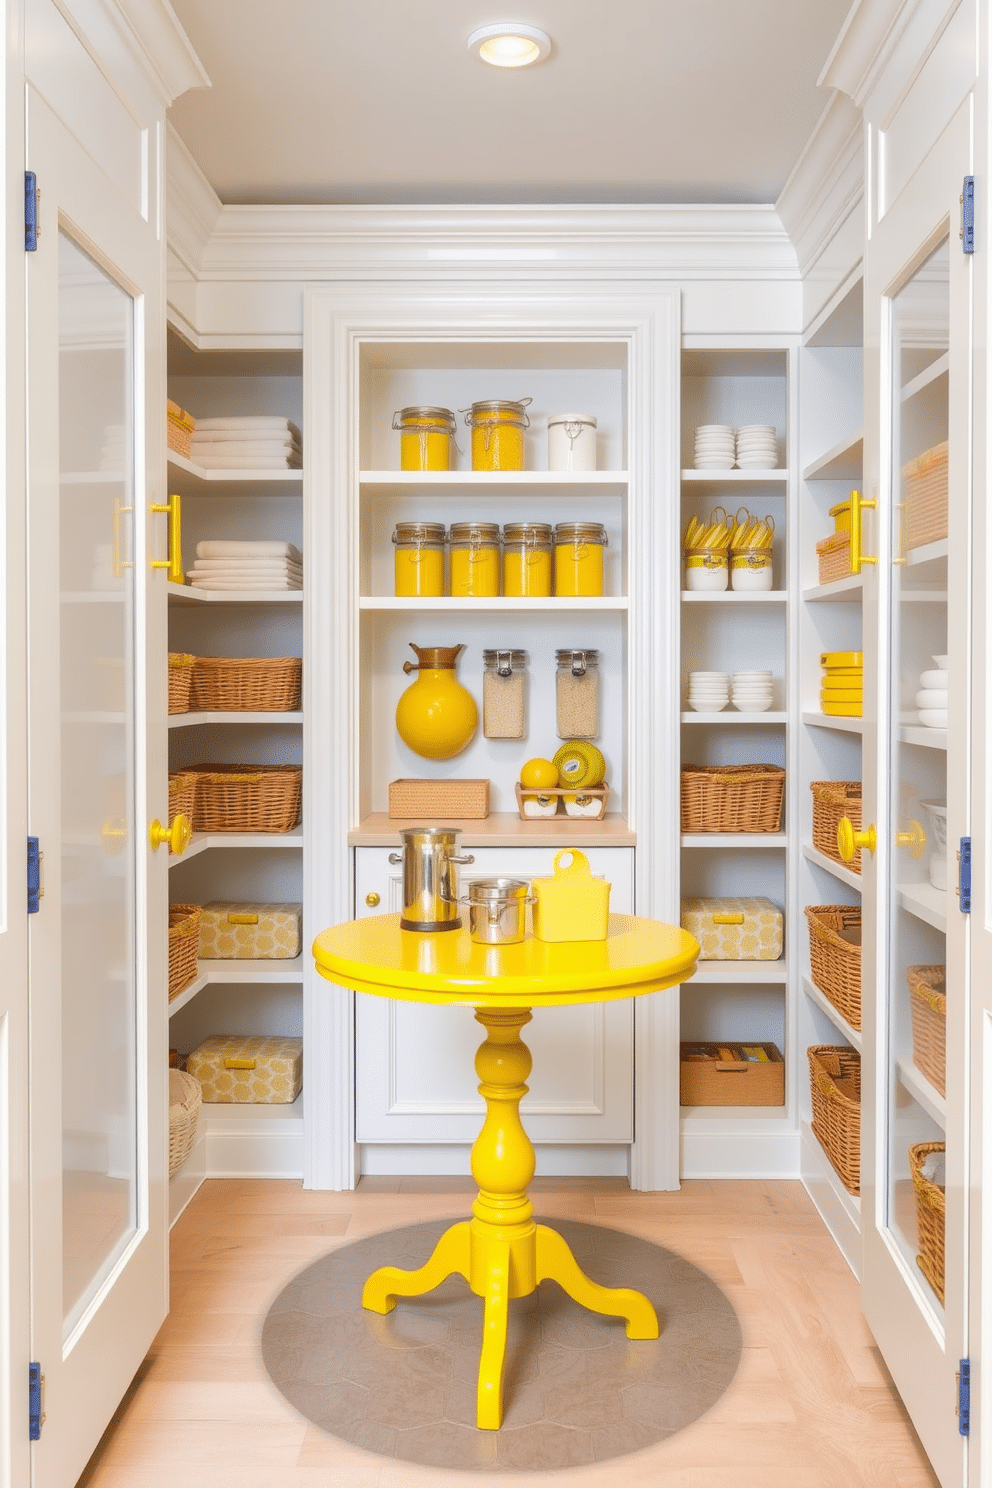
<point>727,1075</point>
<point>435,800</point>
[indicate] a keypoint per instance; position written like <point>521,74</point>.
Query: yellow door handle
<point>858,557</point>
<point>915,838</point>
<point>372,899</point>
<point>174,563</point>
<point>178,835</point>
<point>849,840</point>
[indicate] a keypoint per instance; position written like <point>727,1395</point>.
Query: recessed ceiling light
<point>510,44</point>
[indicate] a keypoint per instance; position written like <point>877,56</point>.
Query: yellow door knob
<point>372,900</point>
<point>915,838</point>
<point>849,839</point>
<point>178,835</point>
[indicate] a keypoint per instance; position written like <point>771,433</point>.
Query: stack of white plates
<point>709,692</point>
<point>932,696</point>
<point>757,447</point>
<point>752,691</point>
<point>714,448</point>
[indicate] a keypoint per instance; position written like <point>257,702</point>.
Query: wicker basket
<point>925,497</point>
<point>732,798</point>
<point>184,1109</point>
<point>929,1216</point>
<point>835,962</point>
<point>182,790</point>
<point>246,798</point>
<point>834,557</point>
<point>835,1086</point>
<point>928,1006</point>
<point>180,680</point>
<point>439,799</point>
<point>250,684</point>
<point>184,943</point>
<point>833,799</point>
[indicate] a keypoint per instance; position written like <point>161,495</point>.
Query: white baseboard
<point>839,1210</point>
<point>739,1149</point>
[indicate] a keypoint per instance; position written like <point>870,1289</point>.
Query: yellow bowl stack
<point>842,688</point>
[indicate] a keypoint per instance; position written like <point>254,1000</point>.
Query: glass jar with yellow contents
<point>426,437</point>
<point>474,548</point>
<point>497,433</point>
<point>419,560</point>
<point>527,549</point>
<point>579,559</point>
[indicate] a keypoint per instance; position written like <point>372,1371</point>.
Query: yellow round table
<point>501,1252</point>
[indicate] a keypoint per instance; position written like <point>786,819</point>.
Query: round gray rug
<point>576,1389</point>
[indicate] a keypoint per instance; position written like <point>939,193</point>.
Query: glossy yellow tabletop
<point>375,955</point>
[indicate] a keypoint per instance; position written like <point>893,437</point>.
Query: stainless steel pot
<point>430,883</point>
<point>497,910</point>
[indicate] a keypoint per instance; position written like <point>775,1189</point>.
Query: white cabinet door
<point>415,1071</point>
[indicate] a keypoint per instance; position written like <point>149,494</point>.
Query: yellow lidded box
<point>735,929</point>
<point>573,905</point>
<point>246,1069</point>
<point>250,932</point>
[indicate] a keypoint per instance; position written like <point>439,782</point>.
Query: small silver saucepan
<point>497,909</point>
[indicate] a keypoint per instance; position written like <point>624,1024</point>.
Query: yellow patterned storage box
<point>246,1069</point>
<point>250,932</point>
<point>735,929</point>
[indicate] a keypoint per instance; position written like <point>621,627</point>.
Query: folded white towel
<point>232,436</point>
<point>248,547</point>
<point>288,461</point>
<point>249,565</point>
<point>253,575</point>
<point>266,444</point>
<point>246,585</point>
<point>248,421</point>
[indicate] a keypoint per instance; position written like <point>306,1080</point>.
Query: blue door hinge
<point>36,1401</point>
<point>964,876</point>
<point>964,1397</point>
<point>31,198</point>
<point>968,215</point>
<point>36,888</point>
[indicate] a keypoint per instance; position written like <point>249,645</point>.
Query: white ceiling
<point>379,101</point>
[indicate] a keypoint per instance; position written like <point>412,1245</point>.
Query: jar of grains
<point>474,550</point>
<point>527,550</point>
<point>579,558</point>
<point>577,694</point>
<point>419,558</point>
<point>503,694</point>
<point>497,433</point>
<point>426,436</point>
<point>571,441</point>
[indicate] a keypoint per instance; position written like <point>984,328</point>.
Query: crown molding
<point>826,183</point>
<point>192,207</point>
<point>122,34</point>
<point>879,34</point>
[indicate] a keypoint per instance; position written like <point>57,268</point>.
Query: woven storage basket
<point>835,963</point>
<point>182,790</point>
<point>732,798</point>
<point>185,1099</point>
<point>180,680</point>
<point>925,497</point>
<point>834,557</point>
<point>246,798</point>
<point>929,1216</point>
<point>439,799</point>
<point>179,426</point>
<point>835,1086</point>
<point>928,1006</point>
<point>184,943</point>
<point>249,684</point>
<point>833,799</point>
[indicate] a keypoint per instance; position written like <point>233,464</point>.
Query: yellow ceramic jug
<point>436,716</point>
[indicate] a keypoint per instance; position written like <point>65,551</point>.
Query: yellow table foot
<point>555,1262</point>
<point>489,1400</point>
<point>450,1257</point>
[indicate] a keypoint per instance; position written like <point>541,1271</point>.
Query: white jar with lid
<point>571,441</point>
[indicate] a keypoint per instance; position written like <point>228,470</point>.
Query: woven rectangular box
<point>250,932</point>
<point>833,799</point>
<point>732,798</point>
<point>246,684</point>
<point>248,1069</point>
<point>735,929</point>
<point>245,798</point>
<point>835,956</point>
<point>930,1213</point>
<point>834,557</point>
<point>925,497</point>
<point>835,1088</point>
<point>731,1075</point>
<point>928,1013</point>
<point>433,799</point>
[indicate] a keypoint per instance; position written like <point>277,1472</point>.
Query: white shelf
<point>185,594</point>
<point>842,462</point>
<point>842,725</point>
<point>733,972</point>
<point>852,1035</point>
<point>735,596</point>
<point>291,480</point>
<point>253,973</point>
<point>734,839</point>
<point>449,605</point>
<point>732,477</point>
<point>845,875</point>
<point>848,590</point>
<point>926,903</point>
<point>929,738</point>
<point>191,720</point>
<point>937,369</point>
<point>459,482</point>
<point>928,553</point>
<point>203,841</point>
<point>919,1087</point>
<point>730,716</point>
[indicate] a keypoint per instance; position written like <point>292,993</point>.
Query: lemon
<point>580,763</point>
<point>539,774</point>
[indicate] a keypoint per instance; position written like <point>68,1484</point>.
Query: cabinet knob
<point>371,900</point>
<point>849,839</point>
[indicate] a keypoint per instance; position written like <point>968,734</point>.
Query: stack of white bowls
<point>757,447</point>
<point>932,696</point>
<point>752,691</point>
<point>714,449</point>
<point>709,692</point>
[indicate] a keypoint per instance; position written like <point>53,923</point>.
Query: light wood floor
<point>812,1405</point>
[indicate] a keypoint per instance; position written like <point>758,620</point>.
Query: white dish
<point>752,676</point>
<point>744,463</point>
<point>714,464</point>
<point>768,429</point>
<point>759,707</point>
<point>933,717</point>
<point>934,679</point>
<point>932,697</point>
<point>699,707</point>
<point>715,429</point>
<point>941,662</point>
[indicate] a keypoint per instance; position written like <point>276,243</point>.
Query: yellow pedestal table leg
<point>501,1252</point>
